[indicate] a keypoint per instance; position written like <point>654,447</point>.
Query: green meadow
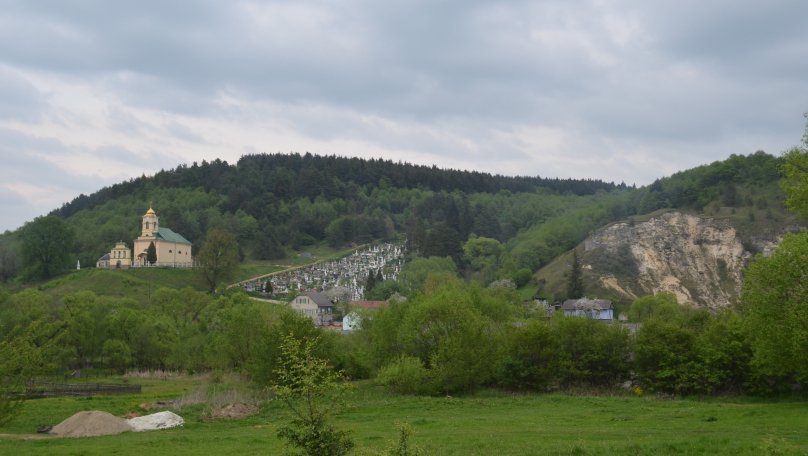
<point>490,422</point>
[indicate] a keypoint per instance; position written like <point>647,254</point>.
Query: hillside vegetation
<point>704,226</point>
<point>277,205</point>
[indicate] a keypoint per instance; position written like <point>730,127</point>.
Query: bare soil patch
<point>234,411</point>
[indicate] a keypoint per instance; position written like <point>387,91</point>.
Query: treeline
<point>447,338</point>
<point>291,176</point>
<point>732,182</point>
<point>178,329</point>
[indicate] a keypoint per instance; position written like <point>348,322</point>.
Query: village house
<point>314,305</point>
<point>596,309</point>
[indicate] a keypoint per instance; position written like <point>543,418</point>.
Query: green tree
<point>448,331</point>
<point>151,254</point>
<point>9,266</point>
<point>481,252</point>
<point>775,305</point>
<point>665,357</point>
<point>308,385</point>
<point>414,274</point>
<point>663,306</point>
<point>575,281</point>
<point>218,258</point>
<point>591,353</point>
<point>774,297</point>
<point>795,171</point>
<point>27,352</point>
<point>46,246</point>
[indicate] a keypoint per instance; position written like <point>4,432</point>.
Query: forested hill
<point>492,226</point>
<point>289,176</point>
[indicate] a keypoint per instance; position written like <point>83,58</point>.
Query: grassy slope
<point>131,283</point>
<point>490,423</point>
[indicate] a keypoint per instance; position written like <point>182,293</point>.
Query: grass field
<point>485,424</point>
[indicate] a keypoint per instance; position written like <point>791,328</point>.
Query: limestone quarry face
<point>699,260</point>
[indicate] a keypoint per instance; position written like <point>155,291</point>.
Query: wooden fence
<point>78,389</point>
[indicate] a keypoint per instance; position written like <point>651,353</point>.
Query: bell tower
<point>150,224</point>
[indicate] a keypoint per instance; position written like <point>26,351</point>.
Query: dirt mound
<point>235,411</point>
<point>90,424</point>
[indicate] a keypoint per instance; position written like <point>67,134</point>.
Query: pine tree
<point>575,286</point>
<point>151,254</point>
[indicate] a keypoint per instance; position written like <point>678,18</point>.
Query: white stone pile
<point>155,421</point>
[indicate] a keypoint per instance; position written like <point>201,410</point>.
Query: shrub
<point>531,358</point>
<point>405,375</point>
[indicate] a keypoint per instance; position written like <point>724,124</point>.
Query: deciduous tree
<point>795,170</point>
<point>775,304</point>
<point>46,246</point>
<point>218,257</point>
<point>303,382</point>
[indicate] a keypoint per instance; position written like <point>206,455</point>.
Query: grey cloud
<point>678,82</point>
<point>21,100</point>
<point>23,159</point>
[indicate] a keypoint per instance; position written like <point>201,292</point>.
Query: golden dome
<point>150,212</point>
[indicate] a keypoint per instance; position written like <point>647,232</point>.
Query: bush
<point>531,359</point>
<point>591,353</point>
<point>666,358</point>
<point>405,375</point>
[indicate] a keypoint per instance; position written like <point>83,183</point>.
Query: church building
<point>172,249</point>
<point>120,257</point>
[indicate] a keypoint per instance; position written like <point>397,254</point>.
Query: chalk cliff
<point>698,259</point>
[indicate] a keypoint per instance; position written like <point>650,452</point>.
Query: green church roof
<point>166,234</point>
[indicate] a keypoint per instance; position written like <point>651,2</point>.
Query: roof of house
<point>166,234</point>
<point>320,299</point>
<point>104,258</point>
<point>369,304</point>
<point>587,304</point>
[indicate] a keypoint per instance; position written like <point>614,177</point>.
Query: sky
<point>96,92</point>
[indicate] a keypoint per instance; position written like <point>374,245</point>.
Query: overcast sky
<point>96,92</point>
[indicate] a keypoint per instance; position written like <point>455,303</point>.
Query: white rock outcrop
<point>700,260</point>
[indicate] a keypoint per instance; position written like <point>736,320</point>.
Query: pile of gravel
<point>90,424</point>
